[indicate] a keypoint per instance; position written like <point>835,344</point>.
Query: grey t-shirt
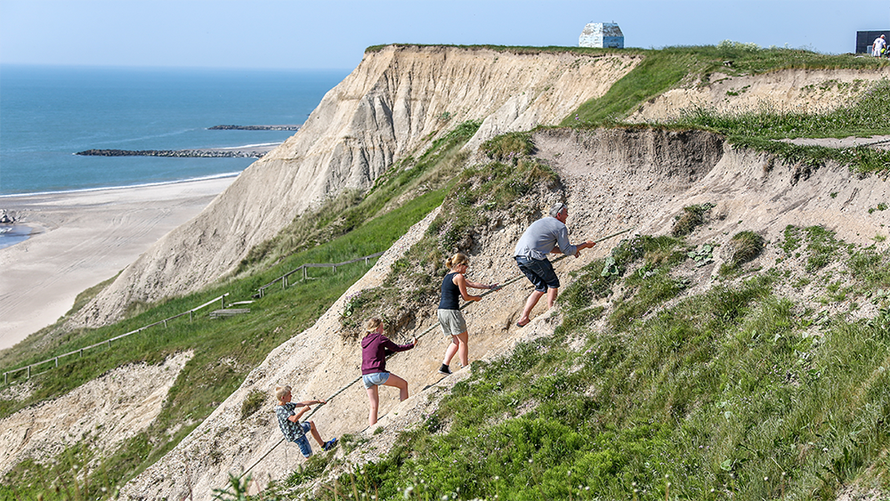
<point>541,237</point>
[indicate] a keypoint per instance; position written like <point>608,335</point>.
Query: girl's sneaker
<point>444,370</point>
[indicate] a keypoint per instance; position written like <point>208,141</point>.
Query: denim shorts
<point>452,322</point>
<point>375,379</point>
<point>540,273</point>
<point>303,442</point>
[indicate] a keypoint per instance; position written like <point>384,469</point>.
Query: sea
<point>49,113</point>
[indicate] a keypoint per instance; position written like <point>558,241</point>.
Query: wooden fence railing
<point>305,269</point>
<point>31,368</point>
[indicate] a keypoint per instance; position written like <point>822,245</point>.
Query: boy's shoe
<point>330,444</point>
<point>444,370</point>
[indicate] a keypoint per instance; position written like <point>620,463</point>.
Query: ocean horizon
<point>49,113</point>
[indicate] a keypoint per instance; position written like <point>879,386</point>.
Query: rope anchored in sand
<point>425,332</point>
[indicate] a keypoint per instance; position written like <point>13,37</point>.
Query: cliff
<point>393,105</point>
<point>396,101</point>
<point>613,179</point>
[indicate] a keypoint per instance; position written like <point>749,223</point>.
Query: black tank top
<point>450,294</point>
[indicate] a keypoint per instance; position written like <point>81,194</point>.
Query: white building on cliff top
<point>602,35</point>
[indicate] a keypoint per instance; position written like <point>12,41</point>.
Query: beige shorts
<point>452,322</point>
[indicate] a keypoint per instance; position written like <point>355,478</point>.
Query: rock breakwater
<point>255,127</point>
<point>200,153</point>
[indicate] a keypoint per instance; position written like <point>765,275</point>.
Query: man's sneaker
<point>444,370</point>
<point>330,444</point>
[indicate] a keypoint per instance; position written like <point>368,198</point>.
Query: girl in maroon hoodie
<point>375,348</point>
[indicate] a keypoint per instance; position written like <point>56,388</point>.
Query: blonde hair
<point>281,392</point>
<point>457,260</point>
<point>372,323</point>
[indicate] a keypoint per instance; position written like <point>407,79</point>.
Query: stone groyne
<point>199,153</point>
<point>255,127</point>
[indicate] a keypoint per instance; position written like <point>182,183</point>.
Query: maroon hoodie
<point>375,348</point>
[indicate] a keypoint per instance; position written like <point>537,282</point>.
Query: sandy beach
<point>80,239</point>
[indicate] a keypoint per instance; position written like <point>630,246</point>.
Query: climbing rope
<point>428,330</point>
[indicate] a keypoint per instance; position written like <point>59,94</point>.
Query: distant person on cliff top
<point>454,287</point>
<point>375,348</point>
<point>289,422</point>
<point>544,236</point>
<point>878,47</point>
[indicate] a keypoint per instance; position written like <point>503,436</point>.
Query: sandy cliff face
<point>103,413</point>
<point>786,91</point>
<point>395,102</point>
<point>613,179</point>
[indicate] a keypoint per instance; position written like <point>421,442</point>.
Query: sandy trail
<point>82,238</point>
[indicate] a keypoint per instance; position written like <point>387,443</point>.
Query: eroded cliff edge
<point>395,102</point>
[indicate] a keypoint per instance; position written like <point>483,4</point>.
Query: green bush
<point>741,248</point>
<point>254,402</point>
<point>691,217</point>
<point>508,147</point>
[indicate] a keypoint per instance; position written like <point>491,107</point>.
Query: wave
<point>140,185</point>
<point>246,146</point>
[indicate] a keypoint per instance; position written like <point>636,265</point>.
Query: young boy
<point>289,421</point>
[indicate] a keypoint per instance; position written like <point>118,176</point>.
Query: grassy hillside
<point>650,393</point>
<point>226,350</point>
<point>737,393</point>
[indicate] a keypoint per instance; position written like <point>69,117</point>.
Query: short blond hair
<point>457,260</point>
<point>281,392</point>
<point>372,323</point>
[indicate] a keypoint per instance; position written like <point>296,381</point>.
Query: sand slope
<point>613,179</point>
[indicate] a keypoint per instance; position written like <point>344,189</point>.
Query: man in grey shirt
<point>544,236</point>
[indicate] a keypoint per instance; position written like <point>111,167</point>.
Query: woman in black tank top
<point>454,287</point>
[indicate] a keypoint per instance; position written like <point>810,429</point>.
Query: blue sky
<point>333,34</point>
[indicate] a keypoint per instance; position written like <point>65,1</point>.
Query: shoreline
<point>111,188</point>
<point>81,238</point>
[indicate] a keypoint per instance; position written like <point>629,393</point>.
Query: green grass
<point>734,393</point>
<point>760,129</point>
<point>225,350</point>
<point>658,72</point>
<point>343,214</point>
<point>482,197</point>
<point>664,69</point>
<point>723,395</point>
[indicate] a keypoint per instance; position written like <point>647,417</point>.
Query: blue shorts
<point>540,273</point>
<point>376,379</point>
<point>303,442</point>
